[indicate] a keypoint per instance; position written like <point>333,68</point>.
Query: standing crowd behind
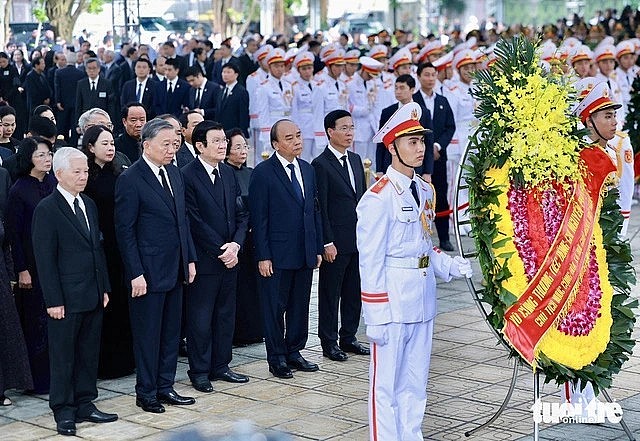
<point>189,243</point>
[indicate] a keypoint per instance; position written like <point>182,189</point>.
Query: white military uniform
<point>254,81</point>
<point>365,110</point>
<point>621,153</point>
<point>272,104</point>
<point>305,111</point>
<point>396,293</point>
<point>333,95</point>
<point>398,266</point>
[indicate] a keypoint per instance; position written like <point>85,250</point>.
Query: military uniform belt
<point>408,262</point>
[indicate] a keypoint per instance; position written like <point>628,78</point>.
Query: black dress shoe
<point>150,405</point>
<point>303,365</point>
<point>280,370</point>
<point>446,245</point>
<point>66,427</point>
<point>231,377</point>
<point>356,348</point>
<point>174,399</point>
<point>334,353</point>
<point>97,416</point>
<point>202,385</point>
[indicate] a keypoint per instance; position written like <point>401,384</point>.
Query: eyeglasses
<point>345,129</point>
<point>240,147</point>
<point>217,141</point>
<point>43,155</point>
<point>108,126</point>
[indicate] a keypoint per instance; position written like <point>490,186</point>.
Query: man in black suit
<point>444,126</point>
<point>134,117</point>
<point>404,89</point>
<point>153,234</point>
<point>169,51</point>
<point>173,91</point>
<point>247,61</point>
<point>233,101</point>
<point>73,274</point>
<point>187,152</point>
<point>141,89</point>
<point>65,98</point>
<point>203,93</point>
<point>36,85</point>
<point>341,184</point>
<point>94,91</point>
<point>288,245</point>
<point>218,226</point>
<point>226,57</point>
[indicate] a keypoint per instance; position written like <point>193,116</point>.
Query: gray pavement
<point>469,377</point>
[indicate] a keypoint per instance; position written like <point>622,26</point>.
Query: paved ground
<point>470,376</point>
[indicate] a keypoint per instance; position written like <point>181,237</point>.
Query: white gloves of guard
<point>461,267</point>
<point>378,334</point>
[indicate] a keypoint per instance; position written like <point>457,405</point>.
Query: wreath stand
<point>476,298</point>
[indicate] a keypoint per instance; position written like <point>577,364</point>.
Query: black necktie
<point>80,216</point>
<point>280,86</point>
<point>414,192</point>
<point>196,103</point>
<point>165,183</point>
<point>295,184</point>
<point>139,93</point>
<point>310,88</point>
<point>225,95</point>
<point>337,87</point>
<point>345,168</point>
<point>93,85</point>
<point>170,88</point>
<point>365,84</point>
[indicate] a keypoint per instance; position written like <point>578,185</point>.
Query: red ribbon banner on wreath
<point>549,292</point>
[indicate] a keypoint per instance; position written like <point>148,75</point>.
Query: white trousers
<point>309,150</point>
<point>398,374</point>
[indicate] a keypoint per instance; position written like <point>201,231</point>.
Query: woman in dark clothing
<point>8,122</point>
<point>14,360</point>
<point>116,351</point>
<point>248,328</point>
<point>33,184</point>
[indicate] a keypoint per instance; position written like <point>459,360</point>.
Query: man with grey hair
<point>159,258</point>
<point>94,91</point>
<point>73,274</point>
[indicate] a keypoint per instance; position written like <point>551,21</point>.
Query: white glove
<point>378,334</point>
<point>461,267</point>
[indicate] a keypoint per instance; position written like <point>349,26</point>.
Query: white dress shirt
<point>156,171</point>
<point>70,199</point>
<point>296,166</point>
<point>339,156</point>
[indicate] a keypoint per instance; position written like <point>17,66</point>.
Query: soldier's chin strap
<point>595,128</point>
<point>400,157</point>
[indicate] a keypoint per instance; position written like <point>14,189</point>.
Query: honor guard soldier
<point>606,61</point>
<point>290,74</point>
<point>380,53</point>
<point>307,105</point>
<point>273,100</point>
<point>365,107</point>
<point>626,71</point>
<point>581,60</point>
<point>398,264</point>
<point>400,63</point>
<point>325,52</point>
<point>430,52</point>
<point>352,64</point>
<point>332,90</point>
<point>254,80</point>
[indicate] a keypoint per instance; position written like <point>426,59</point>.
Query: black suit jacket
<point>104,97</point>
<point>149,97</point>
<point>213,221</point>
<point>152,227</point>
<point>285,231</point>
<point>247,67</point>
<point>207,100</point>
<point>234,110</point>
<point>175,102</point>
<point>184,156</point>
<point>129,146</point>
<point>383,157</point>
<point>184,64</point>
<point>71,263</point>
<point>444,124</point>
<point>216,69</point>
<point>37,88</point>
<point>64,94</point>
<point>338,199</point>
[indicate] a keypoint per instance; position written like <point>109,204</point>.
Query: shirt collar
<point>67,196</point>
<point>231,86</point>
<point>335,151</point>
<point>285,163</point>
<point>208,167</point>
<point>401,181</point>
<point>154,168</point>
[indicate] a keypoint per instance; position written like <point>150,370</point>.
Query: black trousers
<point>211,309</point>
<point>339,289</point>
<point>155,325</point>
<point>285,305</point>
<point>439,181</point>
<point>74,349</point>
